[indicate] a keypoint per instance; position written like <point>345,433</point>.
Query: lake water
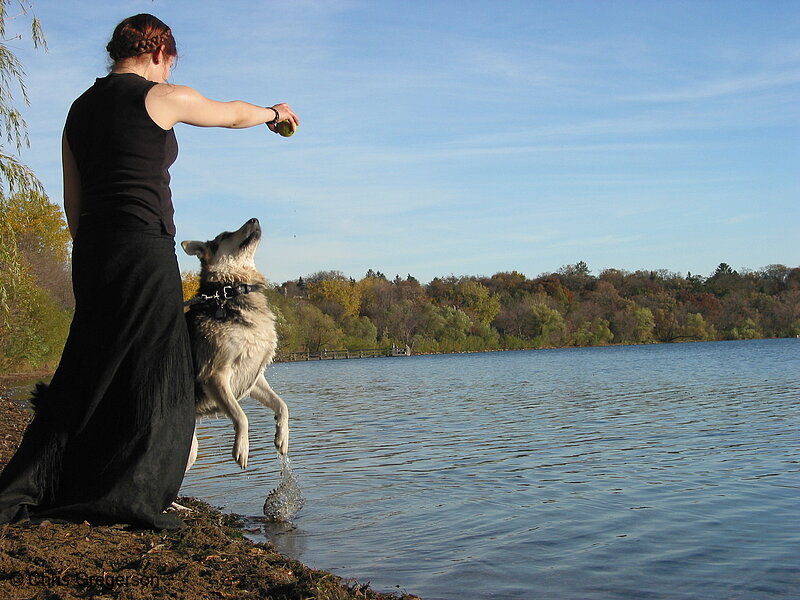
<point>663,471</point>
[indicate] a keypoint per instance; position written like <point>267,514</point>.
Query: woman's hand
<point>284,114</point>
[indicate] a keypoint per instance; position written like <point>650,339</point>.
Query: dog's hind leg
<point>189,463</point>
<point>262,392</point>
<point>180,507</point>
<point>192,451</point>
<point>218,388</point>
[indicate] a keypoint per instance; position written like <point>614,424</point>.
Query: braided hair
<point>140,34</point>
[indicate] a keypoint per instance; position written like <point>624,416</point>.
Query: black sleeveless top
<point>123,157</point>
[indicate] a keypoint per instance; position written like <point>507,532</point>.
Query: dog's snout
<point>253,220</point>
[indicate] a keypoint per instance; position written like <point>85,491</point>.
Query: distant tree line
<point>571,307</point>
<point>328,310</point>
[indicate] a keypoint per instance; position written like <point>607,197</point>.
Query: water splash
<point>286,500</point>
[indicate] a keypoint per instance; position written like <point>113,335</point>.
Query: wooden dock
<point>343,354</point>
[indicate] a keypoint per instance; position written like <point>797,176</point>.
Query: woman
<point>111,435</point>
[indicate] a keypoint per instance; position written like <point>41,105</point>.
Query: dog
<point>233,337</point>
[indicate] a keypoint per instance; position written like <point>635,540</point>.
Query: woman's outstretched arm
<point>169,104</point>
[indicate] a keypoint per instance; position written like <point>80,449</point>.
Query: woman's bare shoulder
<point>173,91</point>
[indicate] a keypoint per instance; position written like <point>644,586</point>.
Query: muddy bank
<point>211,558</point>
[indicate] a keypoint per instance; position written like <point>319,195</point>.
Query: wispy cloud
<point>719,88</point>
<point>604,240</point>
<point>736,219</point>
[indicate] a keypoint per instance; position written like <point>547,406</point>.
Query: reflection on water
<point>665,471</point>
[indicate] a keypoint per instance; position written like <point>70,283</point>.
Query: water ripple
<point>626,472</point>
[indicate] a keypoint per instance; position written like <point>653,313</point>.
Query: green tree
<point>531,318</point>
<point>550,326</point>
<point>593,333</point>
<point>746,330</point>
<point>633,323</point>
<point>474,298</point>
<point>32,325</point>
<point>576,277</point>
<point>726,281</point>
<point>724,269</point>
<point>453,334</point>
<point>17,176</point>
<point>359,333</point>
<point>33,330</point>
<point>316,330</point>
<point>287,321</point>
<point>645,324</point>
<point>695,327</point>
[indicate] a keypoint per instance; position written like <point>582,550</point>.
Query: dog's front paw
<point>241,449</point>
<point>282,438</point>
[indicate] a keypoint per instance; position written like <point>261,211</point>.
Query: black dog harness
<point>222,294</point>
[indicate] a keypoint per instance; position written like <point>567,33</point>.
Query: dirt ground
<point>211,558</point>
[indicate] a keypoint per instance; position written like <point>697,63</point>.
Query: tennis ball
<point>285,128</point>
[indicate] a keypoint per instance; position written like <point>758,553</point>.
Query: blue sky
<point>470,137</point>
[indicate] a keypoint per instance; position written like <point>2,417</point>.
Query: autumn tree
<point>404,321</point>
<point>576,277</point>
<point>190,282</point>
<point>724,280</point>
<point>466,294</point>
<point>507,283</point>
<point>532,318</point>
<point>442,290</point>
<point>339,297</point>
<point>409,289</point>
<point>377,297</point>
<point>42,239</point>
<point>554,288</point>
<point>35,296</point>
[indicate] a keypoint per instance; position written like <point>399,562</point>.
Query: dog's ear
<point>193,247</point>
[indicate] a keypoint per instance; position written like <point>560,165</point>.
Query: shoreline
<point>487,350</point>
<point>8,380</point>
<point>210,558</point>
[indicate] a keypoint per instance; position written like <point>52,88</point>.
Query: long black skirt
<point>111,435</point>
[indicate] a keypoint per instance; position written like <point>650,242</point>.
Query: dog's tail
<point>40,398</point>
<point>37,462</point>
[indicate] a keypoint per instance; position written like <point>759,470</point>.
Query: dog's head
<point>230,251</point>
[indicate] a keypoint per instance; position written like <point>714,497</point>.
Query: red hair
<point>138,35</point>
